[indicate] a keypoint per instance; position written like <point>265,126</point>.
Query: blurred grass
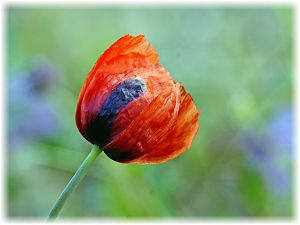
<point>236,62</point>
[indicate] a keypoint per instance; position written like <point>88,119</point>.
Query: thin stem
<point>73,183</point>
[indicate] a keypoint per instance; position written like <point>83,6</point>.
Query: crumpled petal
<point>128,44</point>
<point>179,138</point>
<point>161,132</point>
<point>147,128</point>
<point>124,46</point>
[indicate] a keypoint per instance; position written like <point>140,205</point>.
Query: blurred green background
<point>237,63</point>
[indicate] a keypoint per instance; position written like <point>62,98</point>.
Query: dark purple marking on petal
<point>99,128</point>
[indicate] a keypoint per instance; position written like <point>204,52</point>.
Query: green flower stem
<point>73,183</point>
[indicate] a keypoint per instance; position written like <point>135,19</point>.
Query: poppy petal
<point>128,44</point>
<point>125,45</point>
<point>106,79</point>
<point>156,77</point>
<point>147,128</point>
<point>180,138</point>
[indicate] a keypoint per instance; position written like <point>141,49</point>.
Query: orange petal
<point>125,45</point>
<point>128,44</point>
<point>180,138</point>
<point>156,77</point>
<point>104,81</point>
<point>148,127</point>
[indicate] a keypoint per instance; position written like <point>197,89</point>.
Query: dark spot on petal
<point>99,129</point>
<point>122,156</point>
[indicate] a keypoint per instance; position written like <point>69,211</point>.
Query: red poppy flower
<point>131,107</point>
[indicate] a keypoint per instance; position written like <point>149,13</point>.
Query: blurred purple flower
<point>30,113</point>
<point>280,129</point>
<point>271,152</point>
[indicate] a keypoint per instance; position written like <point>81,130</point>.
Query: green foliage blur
<point>237,63</point>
